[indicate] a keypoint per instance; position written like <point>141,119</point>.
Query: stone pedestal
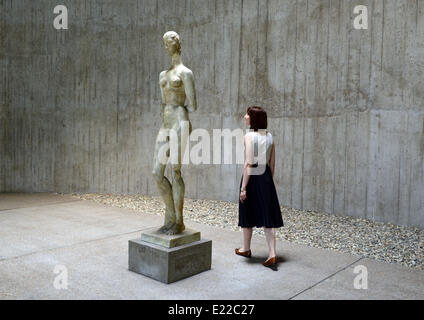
<point>169,258</point>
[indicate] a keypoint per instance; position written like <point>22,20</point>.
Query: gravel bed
<point>370,239</point>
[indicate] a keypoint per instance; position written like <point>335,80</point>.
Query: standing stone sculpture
<point>172,252</point>
<point>176,87</point>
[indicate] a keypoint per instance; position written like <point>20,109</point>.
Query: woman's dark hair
<point>258,118</point>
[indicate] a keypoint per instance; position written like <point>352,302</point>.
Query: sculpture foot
<point>175,229</point>
<point>166,227</point>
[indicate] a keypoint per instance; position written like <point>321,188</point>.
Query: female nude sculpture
<point>176,85</point>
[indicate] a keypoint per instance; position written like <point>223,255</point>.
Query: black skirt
<point>261,207</point>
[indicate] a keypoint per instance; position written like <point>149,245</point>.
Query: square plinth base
<point>154,236</point>
<point>169,264</point>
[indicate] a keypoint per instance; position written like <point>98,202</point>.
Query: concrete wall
<point>346,107</point>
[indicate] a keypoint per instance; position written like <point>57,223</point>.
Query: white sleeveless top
<point>261,143</point>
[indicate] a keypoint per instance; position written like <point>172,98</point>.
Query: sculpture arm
<point>190,90</point>
<point>162,94</point>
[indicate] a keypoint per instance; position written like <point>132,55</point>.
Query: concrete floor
<point>40,231</point>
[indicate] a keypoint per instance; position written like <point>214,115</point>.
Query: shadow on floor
<point>261,260</point>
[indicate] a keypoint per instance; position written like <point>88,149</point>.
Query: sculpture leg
<point>164,185</point>
<point>178,186</point>
<point>178,189</point>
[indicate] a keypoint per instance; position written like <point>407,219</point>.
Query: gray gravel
<point>381,241</point>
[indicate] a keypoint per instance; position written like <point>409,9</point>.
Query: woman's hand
<point>243,195</point>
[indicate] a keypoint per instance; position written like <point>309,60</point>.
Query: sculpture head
<point>172,42</point>
<point>257,118</point>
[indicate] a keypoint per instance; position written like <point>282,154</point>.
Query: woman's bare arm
<point>272,160</point>
<point>248,159</point>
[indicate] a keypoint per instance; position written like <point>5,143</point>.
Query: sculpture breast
<point>174,82</point>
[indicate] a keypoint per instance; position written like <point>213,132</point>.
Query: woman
<point>176,86</point>
<point>258,205</point>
